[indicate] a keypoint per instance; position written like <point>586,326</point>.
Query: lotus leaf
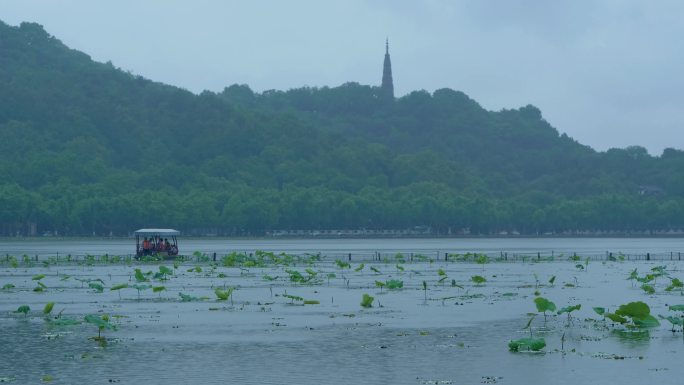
<point>544,305</point>
<point>527,344</point>
<point>102,323</point>
<point>615,318</point>
<point>646,322</point>
<point>569,309</point>
<point>367,301</point>
<point>634,310</point>
<point>48,308</point>
<point>23,309</point>
<point>478,279</point>
<point>187,298</point>
<point>223,295</point>
<point>648,288</point>
<point>139,276</point>
<point>64,322</point>
<point>293,297</point>
<point>673,320</point>
<point>96,286</point>
<point>675,283</point>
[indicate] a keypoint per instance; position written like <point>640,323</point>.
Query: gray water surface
<point>362,247</point>
<point>443,335</point>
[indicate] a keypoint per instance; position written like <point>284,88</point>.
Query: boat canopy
<point>169,232</point>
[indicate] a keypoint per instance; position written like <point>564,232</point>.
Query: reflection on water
<point>632,337</point>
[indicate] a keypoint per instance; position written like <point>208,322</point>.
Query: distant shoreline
<point>491,236</point>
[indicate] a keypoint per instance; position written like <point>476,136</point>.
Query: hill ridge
<point>86,148</point>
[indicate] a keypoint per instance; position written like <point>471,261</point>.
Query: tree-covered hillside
<point>87,148</point>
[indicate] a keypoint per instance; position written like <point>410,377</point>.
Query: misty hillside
<point>88,148</point>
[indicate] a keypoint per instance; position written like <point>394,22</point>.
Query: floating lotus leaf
<point>64,322</point>
<point>187,298</point>
<point>677,308</point>
<point>119,286</point>
<point>673,320</point>
<point>478,279</point>
<point>96,286</point>
<point>293,297</point>
<point>599,310</point>
<point>394,284</point>
<point>569,309</point>
<point>23,309</point>
<point>100,322</point>
<point>527,344</point>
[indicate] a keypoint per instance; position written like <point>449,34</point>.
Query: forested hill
<point>86,148</point>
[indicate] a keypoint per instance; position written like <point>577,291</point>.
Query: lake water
<point>440,333</point>
<point>363,248</point>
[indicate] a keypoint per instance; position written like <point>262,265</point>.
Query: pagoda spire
<point>387,86</point>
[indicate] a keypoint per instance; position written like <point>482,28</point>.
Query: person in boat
<point>145,247</point>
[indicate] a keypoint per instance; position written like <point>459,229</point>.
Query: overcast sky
<point>606,72</point>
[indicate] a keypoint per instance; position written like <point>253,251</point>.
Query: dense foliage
<point>86,148</point>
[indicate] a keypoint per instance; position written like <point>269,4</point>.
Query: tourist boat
<point>160,242</point>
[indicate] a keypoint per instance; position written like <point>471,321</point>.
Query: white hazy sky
<point>606,72</point>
